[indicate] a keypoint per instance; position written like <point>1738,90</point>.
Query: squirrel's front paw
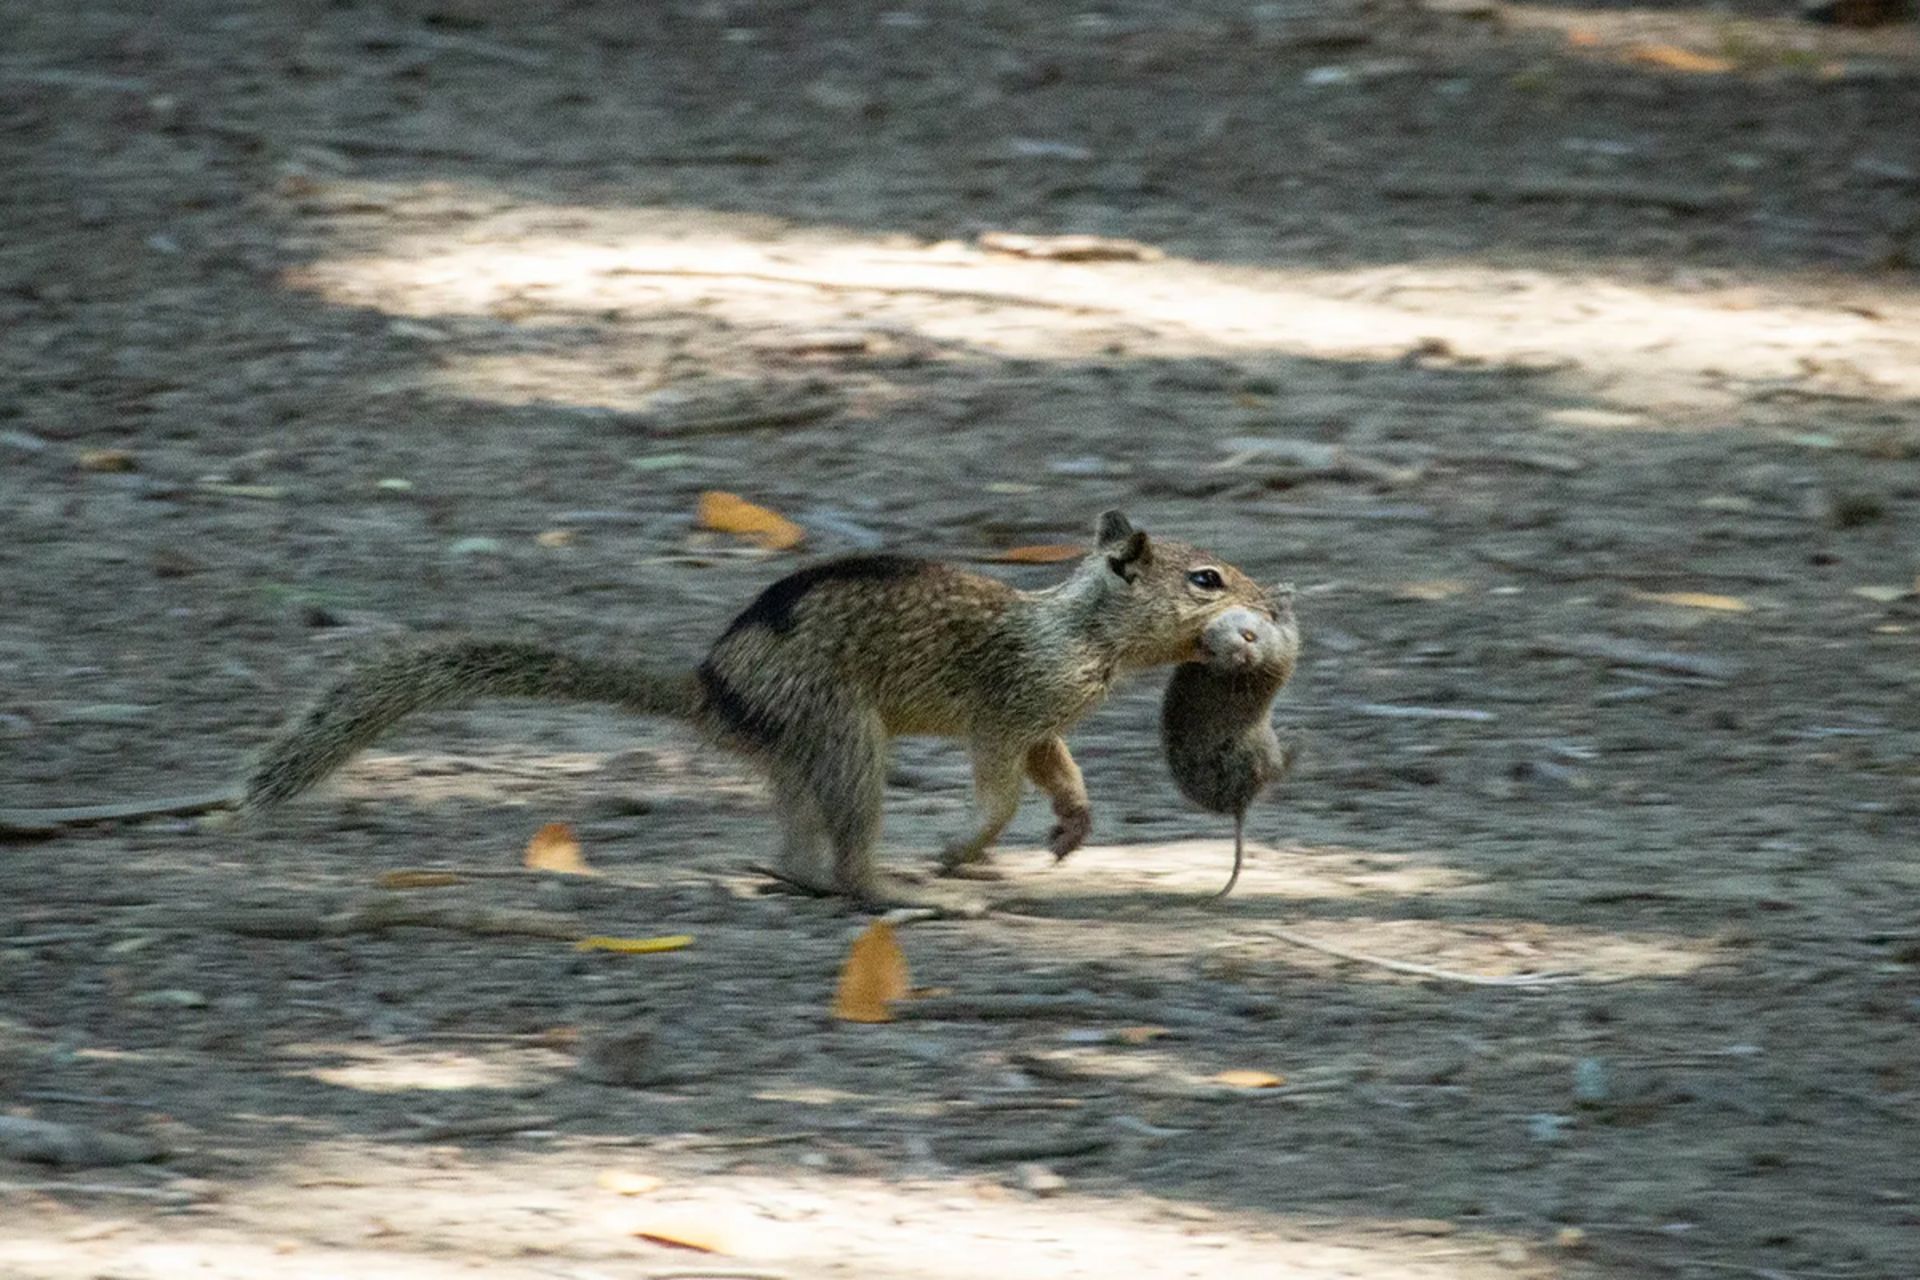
<point>1070,832</point>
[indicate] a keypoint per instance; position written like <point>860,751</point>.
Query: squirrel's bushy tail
<point>376,694</point>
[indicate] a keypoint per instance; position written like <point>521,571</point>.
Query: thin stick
<point>855,286</point>
<point>798,886</point>
<point>1422,970</point>
<point>47,822</point>
<point>166,1194</point>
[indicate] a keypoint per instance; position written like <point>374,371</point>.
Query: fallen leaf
<point>685,1227</point>
<point>1884,595</point>
<point>1696,600</point>
<point>1674,58</point>
<point>635,946</point>
<point>731,513</point>
<point>1041,553</point>
<point>1139,1035</point>
<point>1581,38</point>
<point>419,879</point>
<point>555,538</point>
<point>1069,248</point>
<point>1242,1078</point>
<point>106,460</point>
<point>874,973</point>
<point>625,1182</point>
<point>554,848</point>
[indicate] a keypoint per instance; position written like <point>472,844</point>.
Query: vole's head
<point>1158,597</point>
<point>1247,642</point>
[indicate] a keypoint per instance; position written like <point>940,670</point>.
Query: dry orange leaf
<point>554,848</point>
<point>1581,38</point>
<point>1674,58</point>
<point>419,879</point>
<point>1040,553</point>
<point>731,513</point>
<point>635,946</point>
<point>1697,600</point>
<point>875,972</point>
<point>625,1182</point>
<point>687,1227</point>
<point>1242,1078</point>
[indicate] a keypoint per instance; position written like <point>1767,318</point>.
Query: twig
<point>1631,653</point>
<point>61,78</point>
<point>15,823</point>
<point>1422,970</point>
<point>1043,1146</point>
<point>994,296</point>
<point>394,913</point>
<point>367,144</point>
<point>1684,199</point>
<point>998,1008</point>
<point>797,885</point>
<point>478,1127</point>
<point>788,415</point>
<point>1389,711</point>
<point>747,1142</point>
<point>90,1099</point>
<point>165,1194</point>
<point>1307,511</point>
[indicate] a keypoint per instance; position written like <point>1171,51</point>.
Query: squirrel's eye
<point>1207,579</point>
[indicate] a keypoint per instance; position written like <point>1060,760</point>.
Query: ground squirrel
<point>827,665</point>
<point>1215,717</point>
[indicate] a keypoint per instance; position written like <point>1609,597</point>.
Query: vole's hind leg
<point>1052,769</point>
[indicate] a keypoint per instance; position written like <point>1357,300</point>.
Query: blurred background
<point>1565,356</point>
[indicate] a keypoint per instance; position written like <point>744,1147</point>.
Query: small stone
<point>1590,1082</point>
<point>476,546</point>
<point>1038,1180</point>
<point>106,460</point>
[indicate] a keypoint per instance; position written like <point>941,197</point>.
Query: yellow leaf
<point>874,973</point>
<point>419,879</point>
<point>1245,1079</point>
<point>1041,553</point>
<point>1139,1035</point>
<point>1697,600</point>
<point>635,946</point>
<point>553,848</point>
<point>624,1182</point>
<point>731,513</point>
<point>1674,58</point>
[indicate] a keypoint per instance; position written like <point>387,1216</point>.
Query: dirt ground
<point>1567,359</point>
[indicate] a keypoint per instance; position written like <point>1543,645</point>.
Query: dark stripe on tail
<point>735,713</point>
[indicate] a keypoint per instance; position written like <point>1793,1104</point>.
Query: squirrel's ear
<point>1131,556</point>
<point>1113,527</point>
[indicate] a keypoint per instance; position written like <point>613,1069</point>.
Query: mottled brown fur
<point>1215,718</point>
<point>815,677</point>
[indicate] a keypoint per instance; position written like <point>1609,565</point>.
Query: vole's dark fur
<point>1216,717</point>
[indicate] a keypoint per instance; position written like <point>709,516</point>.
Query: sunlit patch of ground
<point>1337,896</point>
<point>1689,351</point>
<point>546,1217</point>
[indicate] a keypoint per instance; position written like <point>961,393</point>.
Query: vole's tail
<point>375,695</point>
